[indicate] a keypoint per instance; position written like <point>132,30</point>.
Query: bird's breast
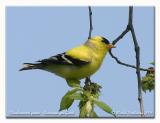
<point>76,72</point>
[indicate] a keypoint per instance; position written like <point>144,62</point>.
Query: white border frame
<point>4,3</point>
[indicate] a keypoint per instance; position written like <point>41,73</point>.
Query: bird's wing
<point>63,59</point>
<point>80,55</point>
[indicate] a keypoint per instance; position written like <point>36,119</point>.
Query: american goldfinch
<point>77,63</point>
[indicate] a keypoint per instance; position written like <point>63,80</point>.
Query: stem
<point>121,36</point>
<point>88,81</point>
<point>125,64</point>
<point>128,28</point>
<point>137,51</point>
<point>90,22</point>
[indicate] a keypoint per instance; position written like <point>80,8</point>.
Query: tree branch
<point>87,80</point>
<point>121,35</point>
<point>125,64</point>
<point>137,51</point>
<point>129,28</point>
<point>90,22</point>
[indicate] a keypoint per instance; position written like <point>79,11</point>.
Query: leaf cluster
<point>88,97</point>
<point>148,81</point>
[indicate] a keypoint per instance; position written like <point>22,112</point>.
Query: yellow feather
<point>81,52</point>
<point>93,51</point>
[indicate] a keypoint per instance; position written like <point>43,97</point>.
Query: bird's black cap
<point>105,40</point>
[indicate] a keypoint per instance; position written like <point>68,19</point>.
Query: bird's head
<point>100,43</point>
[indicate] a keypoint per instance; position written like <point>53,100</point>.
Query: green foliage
<point>103,106</point>
<point>92,88</point>
<point>86,109</point>
<point>87,97</point>
<point>83,112</point>
<point>73,83</point>
<point>77,96</point>
<point>66,100</point>
<point>148,82</point>
<point>93,114</point>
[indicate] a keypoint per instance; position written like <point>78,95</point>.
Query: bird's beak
<point>110,46</point>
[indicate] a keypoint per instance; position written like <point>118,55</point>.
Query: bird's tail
<point>29,66</point>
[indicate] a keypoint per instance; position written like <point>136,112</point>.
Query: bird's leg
<point>87,84</point>
<point>88,81</point>
<point>91,87</point>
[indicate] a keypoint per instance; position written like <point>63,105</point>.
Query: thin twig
<point>121,36</point>
<point>88,81</point>
<point>130,18</point>
<point>128,28</point>
<point>90,22</point>
<point>116,40</point>
<point>137,51</point>
<point>125,64</point>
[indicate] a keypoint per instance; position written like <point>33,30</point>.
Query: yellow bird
<point>77,63</point>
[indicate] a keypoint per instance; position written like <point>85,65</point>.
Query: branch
<point>125,64</point>
<point>128,28</point>
<point>90,22</point>
<point>137,51</point>
<point>87,80</point>
<point>121,36</point>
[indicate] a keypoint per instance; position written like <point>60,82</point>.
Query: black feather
<point>63,59</point>
<point>29,66</point>
<point>105,40</point>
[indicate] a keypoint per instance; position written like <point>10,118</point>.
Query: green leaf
<point>93,114</point>
<point>77,96</point>
<point>73,83</point>
<point>148,82</point>
<point>103,106</point>
<point>66,101</point>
